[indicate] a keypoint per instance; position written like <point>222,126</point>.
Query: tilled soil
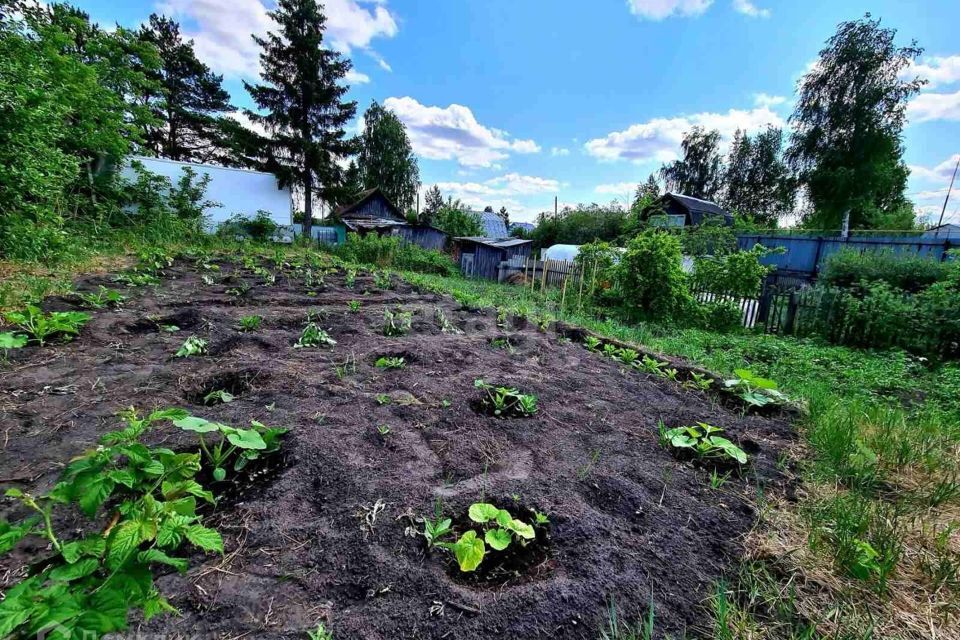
<point>327,532</point>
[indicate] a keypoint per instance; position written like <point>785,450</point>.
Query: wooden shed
<point>422,235</point>
<point>371,211</point>
<point>481,257</point>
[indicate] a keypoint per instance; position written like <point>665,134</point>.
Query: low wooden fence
<point>555,272</point>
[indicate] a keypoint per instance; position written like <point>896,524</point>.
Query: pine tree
<point>352,183</point>
<point>505,216</point>
<point>302,100</point>
<point>191,102</point>
<point>386,157</point>
<point>848,127</point>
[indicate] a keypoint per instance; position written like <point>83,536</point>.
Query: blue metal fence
<point>806,254</point>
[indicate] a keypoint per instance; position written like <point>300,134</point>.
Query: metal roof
<point>496,243</point>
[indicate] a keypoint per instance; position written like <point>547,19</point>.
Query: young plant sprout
<point>497,529</point>
<point>396,323</point>
<point>387,362</point>
<point>592,344</point>
<point>239,445</point>
<point>102,298</point>
<point>41,326</point>
<point>705,442</point>
<point>220,396</point>
<point>757,392</point>
<point>444,323</point>
<point>250,323</point>
<point>314,336</point>
<point>506,401</point>
<point>192,346</point>
<point>354,306</point>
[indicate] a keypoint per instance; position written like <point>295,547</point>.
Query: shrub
<point>260,227</point>
<point>848,268</point>
<point>391,252</point>
<point>710,239</point>
<point>737,274</point>
<point>651,278</point>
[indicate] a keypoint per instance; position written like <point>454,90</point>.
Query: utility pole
<point>947,198</point>
<point>556,215</point>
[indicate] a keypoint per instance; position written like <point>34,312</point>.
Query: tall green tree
<point>432,203</point>
<point>190,104</point>
<point>848,127</point>
<point>699,172</point>
<point>352,182</point>
<point>757,180</point>
<point>302,104</point>
<point>386,157</point>
<point>457,220</point>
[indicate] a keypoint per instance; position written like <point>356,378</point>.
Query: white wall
<point>237,190</point>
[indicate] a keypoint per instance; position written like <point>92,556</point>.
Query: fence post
<point>763,308</point>
<point>792,306</point>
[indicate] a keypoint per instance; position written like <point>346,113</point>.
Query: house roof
<point>696,204</point>
<point>373,223</point>
<point>366,196</point>
<point>492,224</point>
<point>496,243</point>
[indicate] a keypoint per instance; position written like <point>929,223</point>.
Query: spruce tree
<point>191,103</point>
<point>302,104</point>
<point>386,157</point>
<point>433,202</point>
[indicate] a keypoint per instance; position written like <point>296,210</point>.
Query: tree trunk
<point>308,204</point>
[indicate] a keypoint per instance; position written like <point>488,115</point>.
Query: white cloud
<point>659,139</point>
<point>660,9</point>
<point>355,77</point>
<point>747,8</point>
<point>221,29</point>
<point>559,151</point>
<point>934,106</point>
<point>502,191</point>
<point>616,189</point>
<point>938,70</point>
<point>941,172</point>
<point>767,100</point>
<point>453,133</point>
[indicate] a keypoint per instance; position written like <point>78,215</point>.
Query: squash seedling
<point>506,401</point>
<point>40,326</point>
<point>192,346</point>
<point>756,391</point>
<point>10,340</point>
<point>444,323</point>
<point>220,396</point>
<point>396,323</point>
<point>498,529</point>
<point>388,362</point>
<point>241,445</point>
<point>102,298</point>
<point>592,344</point>
<point>704,441</point>
<point>250,323</point>
<point>314,336</point>
<point>354,306</point>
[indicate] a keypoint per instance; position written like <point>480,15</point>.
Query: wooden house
<point>686,211</point>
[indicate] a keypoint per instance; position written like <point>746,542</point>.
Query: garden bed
<point>332,533</point>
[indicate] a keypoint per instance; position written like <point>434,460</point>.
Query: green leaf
<point>126,537</point>
<point>730,449</point>
<point>79,569</point>
<point>11,534</point>
<point>155,605</point>
<point>156,556</point>
<point>498,539</point>
<point>198,425</point>
<point>92,491</point>
<point>107,612</point>
<point>219,474</point>
<point>124,477</point>
<point>168,414</point>
<point>522,529</point>
<point>246,439</point>
<point>482,512</point>
<point>469,551</point>
<point>10,340</point>
<point>153,468</point>
<point>205,538</point>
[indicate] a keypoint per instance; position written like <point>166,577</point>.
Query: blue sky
<point>513,102</point>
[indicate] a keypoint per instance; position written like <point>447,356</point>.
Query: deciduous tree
<point>699,173</point>
<point>848,125</point>
<point>386,157</point>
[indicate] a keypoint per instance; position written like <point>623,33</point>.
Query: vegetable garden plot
<point>334,531</point>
